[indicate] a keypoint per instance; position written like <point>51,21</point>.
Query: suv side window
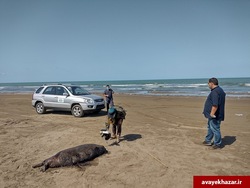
<point>50,90</point>
<point>39,90</point>
<point>60,90</point>
<point>77,91</point>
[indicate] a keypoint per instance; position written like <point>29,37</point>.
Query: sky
<point>95,40</point>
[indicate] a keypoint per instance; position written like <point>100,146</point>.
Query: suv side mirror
<point>65,94</point>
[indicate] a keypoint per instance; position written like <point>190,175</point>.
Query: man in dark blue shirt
<point>214,111</point>
<point>108,94</point>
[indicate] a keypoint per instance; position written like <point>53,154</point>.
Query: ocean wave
<point>85,85</point>
<point>156,85</point>
<point>184,85</point>
<point>130,89</point>
<point>29,87</point>
<point>189,87</point>
<point>126,85</point>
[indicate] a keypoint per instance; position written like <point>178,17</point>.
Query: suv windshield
<point>75,90</point>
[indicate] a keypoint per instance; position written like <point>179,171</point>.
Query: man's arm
<point>213,110</point>
<point>105,93</point>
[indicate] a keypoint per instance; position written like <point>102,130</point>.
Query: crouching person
<point>116,115</point>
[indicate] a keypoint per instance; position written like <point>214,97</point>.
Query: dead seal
<point>72,156</point>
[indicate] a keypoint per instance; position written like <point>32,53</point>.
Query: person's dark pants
<point>109,103</point>
<point>117,127</point>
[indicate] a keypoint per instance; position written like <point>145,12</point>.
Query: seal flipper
<point>44,168</point>
<point>38,165</point>
<point>80,166</point>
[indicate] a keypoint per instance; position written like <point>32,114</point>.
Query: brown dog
<point>72,156</point>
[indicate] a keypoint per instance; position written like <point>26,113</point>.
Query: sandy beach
<point>160,145</point>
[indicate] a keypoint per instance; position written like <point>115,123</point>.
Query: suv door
<point>56,97</point>
<point>49,96</point>
<point>61,98</point>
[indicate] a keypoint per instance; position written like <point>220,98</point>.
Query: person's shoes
<point>205,143</point>
<point>216,147</point>
<point>113,137</point>
<point>118,139</point>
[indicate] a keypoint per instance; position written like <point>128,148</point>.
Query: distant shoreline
<point>108,81</point>
<point>234,87</point>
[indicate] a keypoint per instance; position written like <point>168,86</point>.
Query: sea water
<point>234,87</point>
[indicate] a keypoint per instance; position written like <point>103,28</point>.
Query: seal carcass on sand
<point>72,156</point>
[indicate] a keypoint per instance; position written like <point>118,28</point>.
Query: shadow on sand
<point>68,113</point>
<point>128,137</point>
<point>228,140</point>
<point>131,137</point>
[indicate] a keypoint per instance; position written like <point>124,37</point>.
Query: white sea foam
<point>130,89</point>
<point>184,85</point>
<point>84,85</point>
<point>126,85</point>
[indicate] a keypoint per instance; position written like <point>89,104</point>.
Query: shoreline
<point>234,87</point>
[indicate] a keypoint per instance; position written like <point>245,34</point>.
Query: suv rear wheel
<point>40,108</point>
<point>77,111</point>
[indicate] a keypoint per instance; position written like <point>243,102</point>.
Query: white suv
<point>66,97</point>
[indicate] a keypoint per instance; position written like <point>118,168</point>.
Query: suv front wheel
<point>77,111</point>
<point>40,108</point>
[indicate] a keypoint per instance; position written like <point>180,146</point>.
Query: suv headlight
<point>89,101</point>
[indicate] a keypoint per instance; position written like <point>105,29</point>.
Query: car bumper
<point>33,102</point>
<point>92,107</point>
